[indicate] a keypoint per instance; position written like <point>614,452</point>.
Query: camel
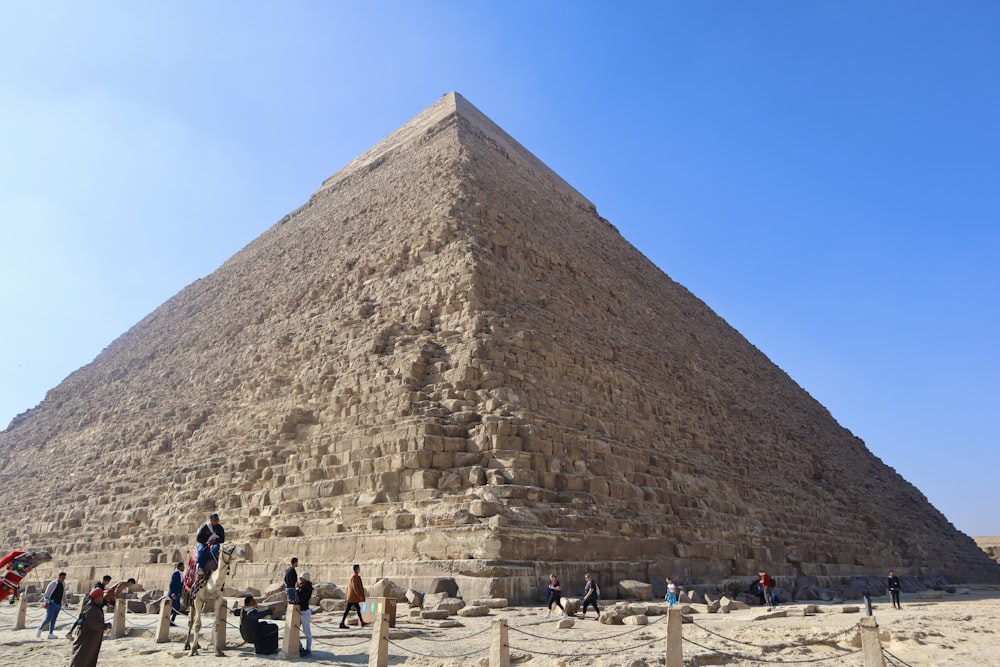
<point>15,566</point>
<point>211,592</point>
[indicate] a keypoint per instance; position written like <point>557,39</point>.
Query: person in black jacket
<point>291,580</point>
<point>210,534</point>
<point>263,635</point>
<point>305,613</point>
<point>894,588</point>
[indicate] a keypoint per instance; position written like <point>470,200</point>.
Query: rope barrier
<point>444,639</point>
<point>591,638</point>
<point>893,658</point>
<point>631,647</point>
<point>432,655</point>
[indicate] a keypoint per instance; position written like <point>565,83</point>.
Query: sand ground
<point>955,630</point>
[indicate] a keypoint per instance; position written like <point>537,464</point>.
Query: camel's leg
<point>219,627</point>
<point>196,610</point>
<point>187,642</point>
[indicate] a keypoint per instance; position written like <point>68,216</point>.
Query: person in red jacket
<point>765,585</point>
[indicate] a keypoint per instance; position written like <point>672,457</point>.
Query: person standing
<point>355,596</point>
<point>671,596</point>
<point>175,591</point>
<point>87,644</point>
<point>555,596</point>
<point>53,598</point>
<point>210,534</point>
<point>291,580</point>
<point>303,595</point>
<point>894,589</point>
<point>765,586</point>
<point>590,594</point>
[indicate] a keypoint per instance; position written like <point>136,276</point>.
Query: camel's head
<point>42,557</point>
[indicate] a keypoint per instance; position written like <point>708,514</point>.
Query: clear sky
<point>824,175</point>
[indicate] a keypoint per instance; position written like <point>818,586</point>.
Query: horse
<point>210,591</point>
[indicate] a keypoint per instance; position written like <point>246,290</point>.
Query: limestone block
<point>566,623</point>
<point>326,589</point>
<point>474,610</point>
<point>635,589</point>
<point>435,614</point>
<point>451,604</point>
<point>713,607</point>
<point>612,617</point>
<point>850,609</point>
<point>638,619</point>
<point>443,585</point>
<point>414,598</point>
<point>571,605</point>
<point>491,603</point>
<point>776,613</point>
<point>385,588</point>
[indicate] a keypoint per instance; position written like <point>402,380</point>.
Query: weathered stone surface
<point>442,358</point>
<point>635,589</point>
<point>452,605</point>
<point>637,619</point>
<point>435,614</point>
<point>490,603</point>
<point>474,610</point>
<point>414,598</point>
<point>385,588</point>
<point>443,585</point>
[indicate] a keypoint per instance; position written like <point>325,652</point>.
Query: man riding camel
<point>210,534</point>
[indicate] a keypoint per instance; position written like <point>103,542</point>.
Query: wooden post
<point>290,644</point>
<point>163,629</point>
<point>378,653</point>
<point>499,646</point>
<point>871,646</point>
<point>22,609</point>
<point>118,622</point>
<point>675,646</point>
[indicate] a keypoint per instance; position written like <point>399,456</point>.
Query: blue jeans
<point>51,612</point>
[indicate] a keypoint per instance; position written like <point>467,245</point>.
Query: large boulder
<point>444,585</point>
<point>630,588</point>
<point>386,588</point>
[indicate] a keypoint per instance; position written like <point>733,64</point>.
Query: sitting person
<point>209,535</point>
<point>263,635</point>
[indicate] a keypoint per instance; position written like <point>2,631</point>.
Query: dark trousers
<point>556,599</point>
<point>894,596</point>
<point>587,602</point>
<point>352,605</point>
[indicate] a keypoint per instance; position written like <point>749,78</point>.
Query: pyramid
<point>446,363</point>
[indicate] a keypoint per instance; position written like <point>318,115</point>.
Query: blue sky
<point>824,175</point>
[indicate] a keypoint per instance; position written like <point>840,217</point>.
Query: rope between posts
<point>476,651</point>
<point>443,639</point>
<point>631,647</point>
<point>638,628</point>
<point>738,656</point>
<point>894,658</point>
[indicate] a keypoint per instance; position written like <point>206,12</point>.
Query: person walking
<point>555,596</point>
<point>355,596</point>
<point>591,592</point>
<point>304,593</point>
<point>291,580</point>
<point>894,589</point>
<point>175,591</point>
<point>53,598</point>
<point>87,644</point>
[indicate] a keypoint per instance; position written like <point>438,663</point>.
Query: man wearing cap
<point>87,644</point>
<point>304,593</point>
<point>263,635</point>
<point>210,534</point>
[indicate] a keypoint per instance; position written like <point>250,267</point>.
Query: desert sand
<point>954,630</point>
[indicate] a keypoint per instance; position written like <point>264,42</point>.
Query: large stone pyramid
<point>446,363</point>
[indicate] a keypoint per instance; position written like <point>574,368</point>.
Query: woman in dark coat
<point>87,644</point>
